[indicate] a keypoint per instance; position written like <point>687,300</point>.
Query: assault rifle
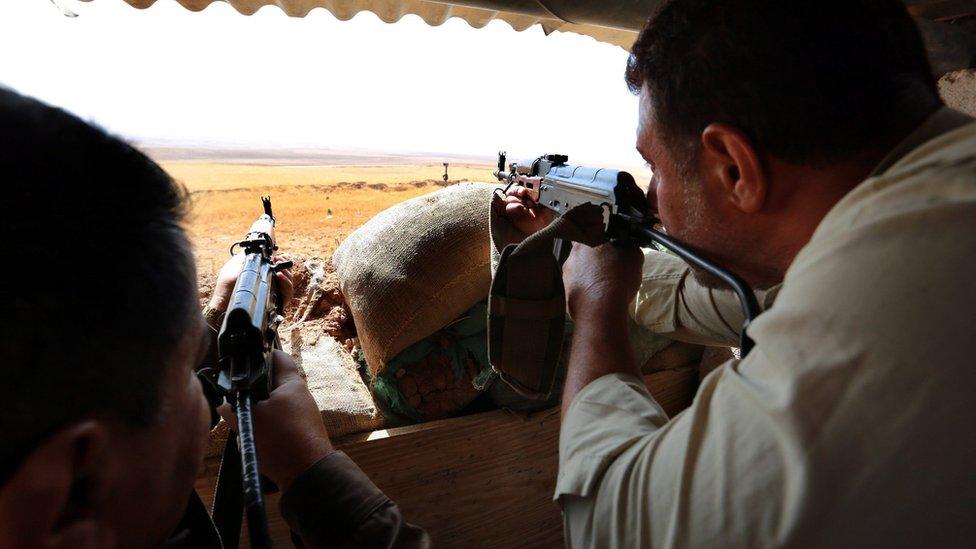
<point>246,341</point>
<point>558,186</point>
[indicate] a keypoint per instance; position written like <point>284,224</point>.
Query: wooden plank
<point>483,480</point>
<point>943,10</point>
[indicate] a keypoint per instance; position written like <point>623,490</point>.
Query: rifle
<point>560,187</point>
<point>246,341</point>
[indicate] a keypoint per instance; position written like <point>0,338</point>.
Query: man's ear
<point>729,157</point>
<point>55,499</point>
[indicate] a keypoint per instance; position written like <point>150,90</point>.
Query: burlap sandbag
<point>415,267</point>
<point>342,398</point>
<point>333,379</point>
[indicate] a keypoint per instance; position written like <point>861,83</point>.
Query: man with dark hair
<point>802,145</point>
<point>99,339</point>
<point>103,420</point>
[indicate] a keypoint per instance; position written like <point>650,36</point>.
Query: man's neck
<point>807,195</point>
<point>797,200</point>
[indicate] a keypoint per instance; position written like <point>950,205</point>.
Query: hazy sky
<point>219,77</point>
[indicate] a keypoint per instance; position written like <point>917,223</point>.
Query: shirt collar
<point>941,121</point>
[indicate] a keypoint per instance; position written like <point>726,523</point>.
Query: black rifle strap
<point>527,302</point>
<point>228,503</point>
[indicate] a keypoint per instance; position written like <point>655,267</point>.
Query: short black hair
<point>808,81</point>
<point>100,283</point>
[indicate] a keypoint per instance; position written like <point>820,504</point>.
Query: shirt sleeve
<point>334,504</point>
<point>671,302</point>
<point>629,477</point>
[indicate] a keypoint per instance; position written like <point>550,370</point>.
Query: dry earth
<point>317,206</point>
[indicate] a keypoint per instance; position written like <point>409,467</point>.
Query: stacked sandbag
<point>316,334</point>
<point>333,379</point>
<point>408,273</point>
<point>440,374</point>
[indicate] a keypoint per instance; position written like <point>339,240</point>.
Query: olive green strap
<point>527,302</point>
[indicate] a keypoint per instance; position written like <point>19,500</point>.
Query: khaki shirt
<point>853,420</point>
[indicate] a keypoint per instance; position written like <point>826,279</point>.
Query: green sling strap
<point>527,300</point>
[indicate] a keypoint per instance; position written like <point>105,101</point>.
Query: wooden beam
<point>943,10</point>
<point>483,480</point>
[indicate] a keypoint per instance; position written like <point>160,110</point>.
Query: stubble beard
<point>699,230</point>
<point>693,206</point>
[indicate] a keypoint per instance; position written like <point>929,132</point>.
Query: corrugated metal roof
<point>434,13</point>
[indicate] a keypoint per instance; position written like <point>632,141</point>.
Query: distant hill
<point>301,156</point>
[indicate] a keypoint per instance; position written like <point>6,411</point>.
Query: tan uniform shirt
<point>851,423</point>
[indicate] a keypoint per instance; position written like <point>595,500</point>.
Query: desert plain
<point>319,197</point>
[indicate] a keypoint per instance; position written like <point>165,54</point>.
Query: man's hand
<point>525,214</point>
<point>288,427</point>
<point>601,281</point>
<point>600,284</point>
<point>227,277</point>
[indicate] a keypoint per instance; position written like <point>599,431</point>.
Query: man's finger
<point>521,194</point>
<point>284,281</point>
<point>515,200</point>
<point>515,209</point>
<point>285,369</point>
<point>286,287</point>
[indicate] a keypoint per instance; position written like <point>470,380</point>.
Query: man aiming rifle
<point>803,146</point>
<point>103,419</point>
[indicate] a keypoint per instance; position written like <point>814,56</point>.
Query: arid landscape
<point>319,197</point>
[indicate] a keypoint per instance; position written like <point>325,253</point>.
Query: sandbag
<point>339,391</point>
<point>439,375</point>
<point>415,267</point>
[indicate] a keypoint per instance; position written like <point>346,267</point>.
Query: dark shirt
<point>332,504</point>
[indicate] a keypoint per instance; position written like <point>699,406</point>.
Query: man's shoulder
<point>891,281</point>
<point>893,260</point>
<point>948,147</point>
<point>935,176</point>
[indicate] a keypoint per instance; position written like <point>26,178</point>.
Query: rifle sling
<point>527,301</point>
<point>228,503</point>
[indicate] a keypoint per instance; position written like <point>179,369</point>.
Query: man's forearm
<point>673,303</point>
<point>334,504</point>
<point>600,347</point>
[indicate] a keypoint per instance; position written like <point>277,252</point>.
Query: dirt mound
<point>205,284</point>
<point>318,306</point>
<point>432,388</point>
